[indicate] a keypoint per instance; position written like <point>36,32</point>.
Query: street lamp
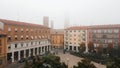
<point>67,61</point>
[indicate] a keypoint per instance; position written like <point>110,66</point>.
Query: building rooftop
<point>20,23</point>
<point>77,28</point>
<point>105,26</point>
<point>57,31</point>
<point>94,27</point>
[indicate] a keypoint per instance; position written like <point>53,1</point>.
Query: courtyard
<point>72,60</point>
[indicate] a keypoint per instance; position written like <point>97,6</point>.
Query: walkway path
<point>72,60</point>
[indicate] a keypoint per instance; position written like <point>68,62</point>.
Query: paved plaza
<point>71,60</point>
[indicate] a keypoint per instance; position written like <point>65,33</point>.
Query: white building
<point>74,36</point>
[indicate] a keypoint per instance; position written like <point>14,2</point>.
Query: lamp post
<point>67,61</point>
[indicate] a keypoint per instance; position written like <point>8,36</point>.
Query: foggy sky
<point>80,12</point>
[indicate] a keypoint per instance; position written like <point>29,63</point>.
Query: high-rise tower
<point>46,21</point>
<point>52,24</point>
<point>66,22</point>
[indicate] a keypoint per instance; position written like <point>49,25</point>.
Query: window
<point>26,30</point>
<point>36,42</point>
<point>21,44</point>
<point>83,31</point>
<point>40,37</point>
<point>39,31</point>
<point>110,36</point>
<point>99,31</point>
<point>46,31</point>
<point>116,35</point>
<point>27,44</point>
<point>0,50</point>
<point>74,39</point>
<point>22,30</point>
<point>9,38</point>
<point>74,47</point>
<point>15,37</point>
<point>31,43</point>
<point>27,37</point>
<point>116,30</point>
<point>21,37</point>
<point>83,39</point>
<point>0,42</point>
<point>15,45</point>
<point>66,42</point>
<point>66,38</point>
<point>36,31</point>
<point>9,47</point>
<point>109,30</point>
<point>74,30</point>
<point>31,30</point>
<point>74,34</point>
<point>15,29</point>
<point>94,31</point>
<point>31,37</point>
<point>79,35</point>
<point>35,37</point>
<point>0,61</point>
<point>9,29</point>
<point>105,31</point>
<point>83,34</point>
<point>110,41</point>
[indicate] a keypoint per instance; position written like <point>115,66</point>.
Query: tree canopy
<point>82,47</point>
<point>85,63</point>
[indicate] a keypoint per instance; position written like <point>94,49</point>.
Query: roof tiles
<point>20,23</point>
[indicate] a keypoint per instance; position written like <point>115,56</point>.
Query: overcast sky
<point>80,12</point>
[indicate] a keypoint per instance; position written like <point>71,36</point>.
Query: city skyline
<point>95,12</point>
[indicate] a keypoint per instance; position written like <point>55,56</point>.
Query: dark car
<point>22,60</point>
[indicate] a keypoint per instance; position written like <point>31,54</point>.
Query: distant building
<point>46,21</point>
<point>57,38</point>
<point>52,25</point>
<point>66,22</point>
<point>104,34</point>
<point>98,34</point>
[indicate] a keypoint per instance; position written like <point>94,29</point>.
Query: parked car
<point>22,60</point>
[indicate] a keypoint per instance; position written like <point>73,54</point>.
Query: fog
<point>79,12</point>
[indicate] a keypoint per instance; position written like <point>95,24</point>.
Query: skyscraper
<point>46,21</point>
<point>52,24</point>
<point>66,22</point>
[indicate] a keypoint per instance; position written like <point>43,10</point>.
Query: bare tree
<point>100,49</point>
<point>91,46</point>
<point>82,47</point>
